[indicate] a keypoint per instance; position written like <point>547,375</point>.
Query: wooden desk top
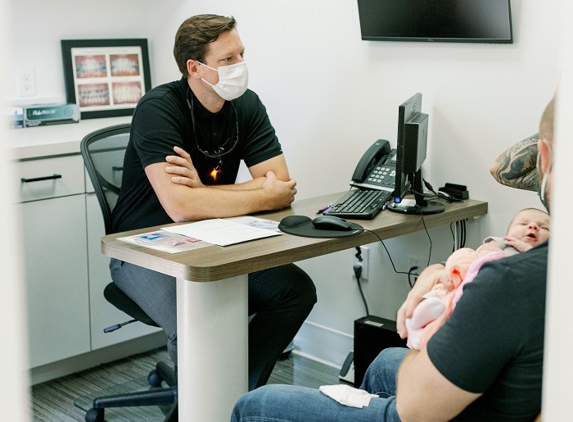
<point>216,262</point>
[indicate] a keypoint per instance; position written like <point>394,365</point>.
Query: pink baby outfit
<point>461,268</point>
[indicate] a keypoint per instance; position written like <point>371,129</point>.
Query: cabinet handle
<point>39,179</point>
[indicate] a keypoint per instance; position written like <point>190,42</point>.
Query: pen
<point>320,211</point>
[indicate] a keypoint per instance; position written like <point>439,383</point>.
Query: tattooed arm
<point>516,167</point>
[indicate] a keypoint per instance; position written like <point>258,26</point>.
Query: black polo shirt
<point>162,120</point>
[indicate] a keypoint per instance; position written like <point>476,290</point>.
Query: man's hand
<point>182,170</point>
<point>426,280</point>
<point>281,193</point>
<point>271,188</point>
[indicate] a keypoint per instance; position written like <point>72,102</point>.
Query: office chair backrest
<point>103,152</point>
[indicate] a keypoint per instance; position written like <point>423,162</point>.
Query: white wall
<point>330,95</point>
<point>14,400</point>
<point>38,26</point>
<point>558,358</point>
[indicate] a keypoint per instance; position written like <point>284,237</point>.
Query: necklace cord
<point>221,151</point>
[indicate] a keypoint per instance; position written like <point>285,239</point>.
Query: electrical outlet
<point>417,261</point>
<point>364,262</point>
<point>27,81</point>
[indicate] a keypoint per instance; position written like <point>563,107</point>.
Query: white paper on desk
<point>165,241</point>
<point>221,232</point>
<point>261,223</point>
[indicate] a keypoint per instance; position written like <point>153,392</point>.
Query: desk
<point>212,295</point>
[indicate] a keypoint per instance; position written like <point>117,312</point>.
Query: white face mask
<point>233,80</point>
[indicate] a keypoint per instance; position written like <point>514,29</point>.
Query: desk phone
<point>377,168</point>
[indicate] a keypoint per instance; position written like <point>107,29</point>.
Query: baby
<point>529,228</point>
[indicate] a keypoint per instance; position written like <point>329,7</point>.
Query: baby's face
<point>530,226</point>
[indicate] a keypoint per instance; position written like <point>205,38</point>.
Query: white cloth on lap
<point>347,395</point>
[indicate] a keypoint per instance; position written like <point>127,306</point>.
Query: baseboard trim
<point>313,341</point>
<point>314,358</point>
<point>323,344</point>
<point>97,357</point>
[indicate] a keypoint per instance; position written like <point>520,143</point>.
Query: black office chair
<point>103,152</point>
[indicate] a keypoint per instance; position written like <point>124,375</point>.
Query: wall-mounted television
<point>470,21</point>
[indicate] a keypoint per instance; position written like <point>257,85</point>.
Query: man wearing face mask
<point>484,364</point>
<point>205,124</point>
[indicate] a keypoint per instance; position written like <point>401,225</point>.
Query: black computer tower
<point>372,334</point>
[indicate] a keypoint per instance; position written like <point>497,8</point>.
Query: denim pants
<point>287,403</point>
<point>281,298</point>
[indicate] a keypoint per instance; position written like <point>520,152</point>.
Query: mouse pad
<point>302,226</point>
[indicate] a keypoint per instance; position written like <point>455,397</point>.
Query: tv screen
<point>473,21</point>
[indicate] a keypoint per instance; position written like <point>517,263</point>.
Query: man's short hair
<point>194,35</point>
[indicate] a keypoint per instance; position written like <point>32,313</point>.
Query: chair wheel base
<point>154,379</point>
<point>95,415</point>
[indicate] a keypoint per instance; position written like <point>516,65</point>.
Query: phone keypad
<point>382,175</point>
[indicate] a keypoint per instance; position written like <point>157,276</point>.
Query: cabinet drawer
<point>50,177</point>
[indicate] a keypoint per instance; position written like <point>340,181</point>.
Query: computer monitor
<point>411,151</point>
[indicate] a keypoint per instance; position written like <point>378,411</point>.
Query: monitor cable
<point>458,230</point>
<point>459,241</point>
<point>358,272</point>
<point>438,194</point>
<point>462,233</point>
<point>410,272</point>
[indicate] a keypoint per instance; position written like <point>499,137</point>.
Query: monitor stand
<point>417,207</point>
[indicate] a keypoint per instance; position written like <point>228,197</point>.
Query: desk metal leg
<point>212,347</point>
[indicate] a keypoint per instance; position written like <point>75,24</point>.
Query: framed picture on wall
<point>106,77</point>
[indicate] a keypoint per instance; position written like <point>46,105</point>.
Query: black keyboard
<point>359,203</point>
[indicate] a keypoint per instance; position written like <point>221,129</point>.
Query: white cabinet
<point>65,271</point>
<point>55,258</point>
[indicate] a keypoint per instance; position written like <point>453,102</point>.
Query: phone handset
<point>371,157</point>
<point>374,170</point>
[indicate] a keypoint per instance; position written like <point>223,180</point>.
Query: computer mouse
<point>294,220</point>
<point>331,222</point>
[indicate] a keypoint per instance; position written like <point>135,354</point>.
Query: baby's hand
<point>519,245</point>
<point>445,278</point>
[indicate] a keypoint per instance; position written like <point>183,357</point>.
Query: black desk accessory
<point>301,225</point>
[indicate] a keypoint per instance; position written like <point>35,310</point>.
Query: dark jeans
<point>280,298</point>
<point>288,403</point>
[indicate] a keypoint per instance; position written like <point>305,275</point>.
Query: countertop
<point>61,139</point>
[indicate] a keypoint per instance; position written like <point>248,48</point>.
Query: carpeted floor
<point>66,399</point>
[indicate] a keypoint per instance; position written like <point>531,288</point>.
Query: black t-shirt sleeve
<point>261,140</point>
<point>159,125</point>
